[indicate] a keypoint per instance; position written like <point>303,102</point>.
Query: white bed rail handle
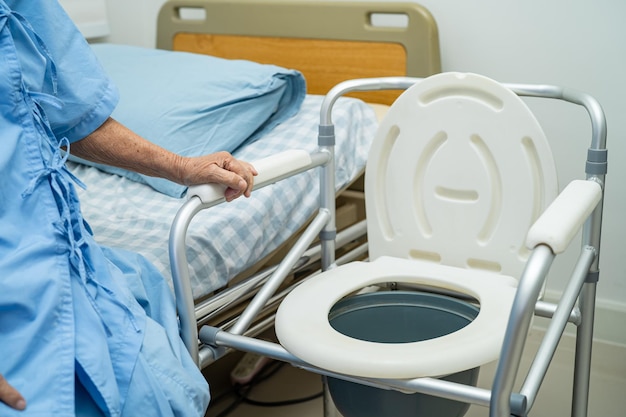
<point>270,169</point>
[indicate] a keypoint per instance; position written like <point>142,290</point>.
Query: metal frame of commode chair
<point>576,305</point>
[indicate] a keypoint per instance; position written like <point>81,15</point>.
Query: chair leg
<point>584,340</point>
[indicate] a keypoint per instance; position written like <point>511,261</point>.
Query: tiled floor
<point>608,388</point>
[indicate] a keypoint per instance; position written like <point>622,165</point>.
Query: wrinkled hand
<point>221,168</point>
<point>10,396</point>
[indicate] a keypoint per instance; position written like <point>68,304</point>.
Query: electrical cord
<point>241,392</point>
<point>279,403</point>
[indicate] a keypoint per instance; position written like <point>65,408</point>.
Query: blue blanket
<point>196,104</point>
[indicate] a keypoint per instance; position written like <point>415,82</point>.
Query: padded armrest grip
<point>270,169</point>
<point>278,166</point>
<point>560,222</point>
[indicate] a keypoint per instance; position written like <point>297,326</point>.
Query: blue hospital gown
<point>84,330</point>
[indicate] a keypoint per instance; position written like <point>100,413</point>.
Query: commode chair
<point>464,219</point>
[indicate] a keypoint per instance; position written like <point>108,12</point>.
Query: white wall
<point>133,22</point>
<point>577,44</point>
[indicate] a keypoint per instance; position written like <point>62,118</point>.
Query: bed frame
<point>329,42</point>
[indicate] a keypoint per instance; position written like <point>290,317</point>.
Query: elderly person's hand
<point>221,168</point>
<point>10,396</point>
<point>114,144</point>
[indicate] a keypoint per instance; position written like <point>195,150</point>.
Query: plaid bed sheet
<point>227,239</point>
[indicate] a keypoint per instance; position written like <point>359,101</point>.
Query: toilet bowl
<point>303,327</point>
<point>398,317</point>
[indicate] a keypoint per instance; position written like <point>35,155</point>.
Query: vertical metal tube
<point>587,305</point>
<point>327,202</point>
<point>555,330</point>
<point>326,141</point>
<point>522,310</point>
<point>180,276</point>
<point>584,341</point>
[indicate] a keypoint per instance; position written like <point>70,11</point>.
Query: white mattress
<point>227,239</point>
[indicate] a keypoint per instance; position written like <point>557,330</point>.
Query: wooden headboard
<point>328,42</point>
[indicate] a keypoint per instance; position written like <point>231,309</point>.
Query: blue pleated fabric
<point>84,330</point>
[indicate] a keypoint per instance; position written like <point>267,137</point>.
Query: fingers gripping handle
<point>270,169</point>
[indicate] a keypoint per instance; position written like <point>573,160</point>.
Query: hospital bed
<point>230,250</point>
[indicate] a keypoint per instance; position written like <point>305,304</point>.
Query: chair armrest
<point>560,222</point>
<point>270,169</point>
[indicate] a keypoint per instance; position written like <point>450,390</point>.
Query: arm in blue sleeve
<point>87,94</point>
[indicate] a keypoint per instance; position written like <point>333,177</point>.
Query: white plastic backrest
<point>269,169</point>
<point>458,172</point>
<point>558,225</point>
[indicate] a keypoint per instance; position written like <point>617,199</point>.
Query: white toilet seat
<point>303,328</point>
